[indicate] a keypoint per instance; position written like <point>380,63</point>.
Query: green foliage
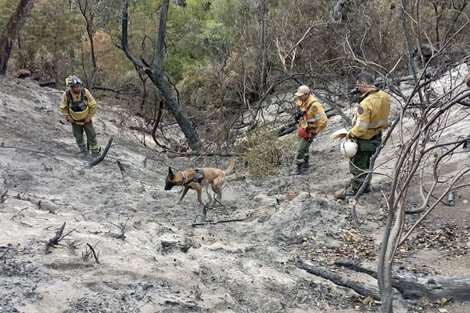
<point>195,37</point>
<point>213,52</point>
<point>264,153</point>
<point>8,7</point>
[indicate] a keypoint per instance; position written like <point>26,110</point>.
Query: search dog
<point>196,178</point>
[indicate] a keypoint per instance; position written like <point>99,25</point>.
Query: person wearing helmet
<point>370,118</point>
<point>78,106</point>
<point>311,120</point>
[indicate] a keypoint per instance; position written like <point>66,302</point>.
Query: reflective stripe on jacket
<point>371,115</point>
<point>315,117</point>
<point>90,110</point>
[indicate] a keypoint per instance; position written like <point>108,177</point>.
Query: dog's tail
<point>230,167</point>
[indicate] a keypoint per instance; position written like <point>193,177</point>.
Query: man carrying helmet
<point>78,106</point>
<point>311,120</point>
<point>370,118</point>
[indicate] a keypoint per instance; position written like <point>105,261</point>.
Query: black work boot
<point>83,151</point>
<point>96,153</point>
<point>297,170</point>
<point>305,165</point>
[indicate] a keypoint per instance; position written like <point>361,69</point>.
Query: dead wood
<point>141,129</point>
<point>121,168</point>
<point>5,253</point>
<point>155,126</point>
<point>355,266</point>
<point>157,74</point>
<point>430,287</point>
<point>18,214</point>
<point>122,91</point>
<point>102,156</point>
<point>345,118</point>
<point>222,221</point>
<point>47,83</point>
<point>3,196</point>
<point>122,228</point>
<point>95,255</point>
<point>318,270</point>
<point>433,287</point>
<point>58,237</point>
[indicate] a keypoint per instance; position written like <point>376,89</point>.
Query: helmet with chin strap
<point>348,148</point>
<point>72,81</point>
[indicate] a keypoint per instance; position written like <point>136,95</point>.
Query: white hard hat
<point>348,148</point>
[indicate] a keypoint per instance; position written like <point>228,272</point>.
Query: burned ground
<point>165,263</point>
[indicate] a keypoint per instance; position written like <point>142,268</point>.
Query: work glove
<point>70,119</point>
<point>87,120</point>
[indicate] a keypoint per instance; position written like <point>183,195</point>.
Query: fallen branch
<point>355,266</point>
<point>318,270</point>
<point>18,214</point>
<point>3,196</point>
<point>221,221</point>
<point>122,91</point>
<point>5,253</point>
<point>121,168</point>
<point>102,156</point>
<point>430,287</point>
<point>94,253</point>
<point>47,83</point>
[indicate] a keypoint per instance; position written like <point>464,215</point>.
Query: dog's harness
<point>198,176</point>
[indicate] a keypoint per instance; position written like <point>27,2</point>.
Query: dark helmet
<point>72,81</point>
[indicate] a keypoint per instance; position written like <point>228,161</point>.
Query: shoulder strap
<point>83,97</point>
<point>69,99</point>
<point>310,105</point>
<point>69,96</point>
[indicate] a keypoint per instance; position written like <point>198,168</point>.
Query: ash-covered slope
<point>164,263</point>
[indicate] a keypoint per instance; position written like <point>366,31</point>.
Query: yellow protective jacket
<point>316,118</point>
<point>371,115</point>
<point>68,101</point>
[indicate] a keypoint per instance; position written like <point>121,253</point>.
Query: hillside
<point>165,263</point>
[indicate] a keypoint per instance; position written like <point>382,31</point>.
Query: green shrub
<point>264,154</point>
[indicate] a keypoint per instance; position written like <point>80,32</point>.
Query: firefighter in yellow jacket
<point>311,120</point>
<point>370,118</point>
<point>78,106</point>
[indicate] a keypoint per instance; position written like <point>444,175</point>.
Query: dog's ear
<point>170,173</point>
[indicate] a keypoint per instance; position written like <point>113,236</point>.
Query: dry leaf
<point>443,301</point>
<point>368,300</point>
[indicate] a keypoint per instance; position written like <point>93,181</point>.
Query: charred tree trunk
<point>156,75</point>
<point>360,288</point>
<point>411,287</point>
<point>11,31</point>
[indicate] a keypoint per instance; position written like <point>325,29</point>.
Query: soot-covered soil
<point>165,263</point>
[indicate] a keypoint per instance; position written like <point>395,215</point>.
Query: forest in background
<point>222,58</point>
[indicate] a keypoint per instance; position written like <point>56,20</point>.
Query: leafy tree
<point>11,31</point>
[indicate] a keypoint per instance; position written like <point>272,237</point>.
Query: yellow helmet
<point>72,81</point>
